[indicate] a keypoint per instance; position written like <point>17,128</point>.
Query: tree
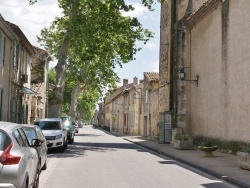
<point>91,31</point>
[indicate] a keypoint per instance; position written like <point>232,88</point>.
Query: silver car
<point>33,132</point>
<point>19,164</point>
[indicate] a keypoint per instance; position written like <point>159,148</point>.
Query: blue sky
<point>31,19</point>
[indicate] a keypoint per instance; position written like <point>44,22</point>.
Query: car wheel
<point>36,180</point>
<point>26,185</point>
<point>65,145</point>
<point>70,140</point>
<point>62,149</point>
<point>44,166</point>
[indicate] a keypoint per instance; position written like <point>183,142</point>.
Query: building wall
<point>165,55</point>
<point>154,113</point>
<point>4,73</point>
<point>218,50</point>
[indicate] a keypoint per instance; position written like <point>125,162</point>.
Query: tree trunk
<point>56,103</point>
<point>73,104</point>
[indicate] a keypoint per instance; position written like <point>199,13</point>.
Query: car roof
<point>48,119</point>
<point>8,125</point>
<point>29,125</point>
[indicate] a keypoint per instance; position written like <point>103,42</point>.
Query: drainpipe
<point>173,62</point>
<point>15,43</point>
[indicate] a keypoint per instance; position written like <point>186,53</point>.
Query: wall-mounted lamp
<point>182,73</point>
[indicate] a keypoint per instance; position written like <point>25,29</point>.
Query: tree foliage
<point>89,40</point>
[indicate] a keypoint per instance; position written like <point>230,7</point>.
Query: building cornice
<point>201,13</point>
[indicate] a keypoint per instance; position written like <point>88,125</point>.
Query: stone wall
<point>218,51</point>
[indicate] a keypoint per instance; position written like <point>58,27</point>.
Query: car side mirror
<point>36,142</point>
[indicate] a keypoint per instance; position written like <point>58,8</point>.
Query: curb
<point>210,172</point>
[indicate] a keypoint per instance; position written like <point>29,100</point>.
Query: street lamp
<point>182,73</point>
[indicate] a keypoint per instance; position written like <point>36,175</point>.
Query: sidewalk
<point>222,166</point>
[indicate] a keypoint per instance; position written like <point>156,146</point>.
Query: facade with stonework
<point>218,45</point>
<point>16,92</point>
<point>150,104</point>
<point>39,84</point>
<point>7,38</point>
<point>20,77</point>
<point>209,65</point>
<point>133,108</point>
<point>172,98</point>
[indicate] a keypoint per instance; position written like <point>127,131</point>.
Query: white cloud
<point>30,19</point>
<point>140,11</point>
<point>151,46</point>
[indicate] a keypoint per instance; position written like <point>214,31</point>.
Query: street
<point>99,159</point>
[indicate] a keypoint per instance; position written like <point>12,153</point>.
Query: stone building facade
<point>150,104</point>
<point>7,38</point>
<point>172,98</point>
<point>218,47</point>
<point>16,93</point>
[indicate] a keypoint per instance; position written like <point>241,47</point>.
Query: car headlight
<point>58,136</point>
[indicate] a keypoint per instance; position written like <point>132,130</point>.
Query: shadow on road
<point>91,135</point>
<point>79,149</point>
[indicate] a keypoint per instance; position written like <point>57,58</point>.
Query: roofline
<point>10,32</point>
<point>201,13</point>
<point>23,39</point>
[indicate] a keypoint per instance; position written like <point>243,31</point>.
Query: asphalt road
<point>98,159</point>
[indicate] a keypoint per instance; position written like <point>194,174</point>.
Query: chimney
<point>135,81</point>
<point>125,83</point>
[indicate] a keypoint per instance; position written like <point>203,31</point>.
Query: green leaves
<point>96,37</point>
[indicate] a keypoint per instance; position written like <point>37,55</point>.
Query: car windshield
<point>48,125</point>
<point>4,141</point>
<point>66,121</point>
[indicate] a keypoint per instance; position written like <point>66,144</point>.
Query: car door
<point>4,143</point>
<point>43,148</point>
<point>30,154</point>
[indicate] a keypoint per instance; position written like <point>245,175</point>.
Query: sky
<point>32,19</point>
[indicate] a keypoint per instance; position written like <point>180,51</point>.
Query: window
<point>2,48</point>
<point>5,141</point>
<point>18,138</point>
<point>30,133</point>
<point>13,111</point>
<point>24,138</point>
<point>1,102</point>
<point>16,55</point>
<point>49,125</point>
<point>27,64</point>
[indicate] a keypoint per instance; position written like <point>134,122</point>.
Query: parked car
<point>19,163</point>
<point>69,126</point>
<point>33,132</point>
<point>54,132</point>
<point>80,124</point>
<point>76,127</point>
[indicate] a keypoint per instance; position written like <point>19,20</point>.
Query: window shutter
<point>1,48</point>
<point>4,48</point>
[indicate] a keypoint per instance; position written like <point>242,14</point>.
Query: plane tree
<point>91,35</point>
